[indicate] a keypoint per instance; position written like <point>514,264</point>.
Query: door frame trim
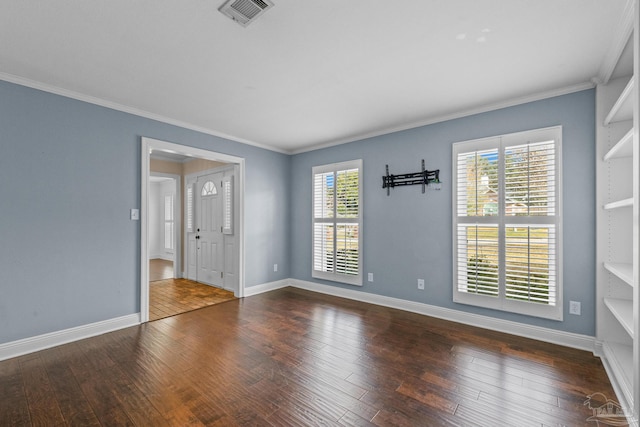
<point>149,144</point>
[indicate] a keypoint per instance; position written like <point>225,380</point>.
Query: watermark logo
<point>606,412</point>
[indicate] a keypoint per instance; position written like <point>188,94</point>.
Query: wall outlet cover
<point>574,307</point>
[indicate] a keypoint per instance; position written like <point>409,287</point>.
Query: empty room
<point>286,213</point>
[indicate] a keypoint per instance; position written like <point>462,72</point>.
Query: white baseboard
<point>266,287</point>
<point>582,342</point>
<point>53,339</point>
<point>567,339</point>
<point>614,372</point>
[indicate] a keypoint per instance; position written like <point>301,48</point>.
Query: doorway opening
<point>171,220</point>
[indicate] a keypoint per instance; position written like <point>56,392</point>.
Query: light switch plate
<point>135,214</point>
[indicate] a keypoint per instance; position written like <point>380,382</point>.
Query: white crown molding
<point>432,120</point>
<point>553,336</point>
<point>130,110</point>
<point>623,31</point>
<point>464,113</point>
<point>53,339</point>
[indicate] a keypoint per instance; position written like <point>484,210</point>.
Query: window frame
<point>335,168</point>
<point>503,221</point>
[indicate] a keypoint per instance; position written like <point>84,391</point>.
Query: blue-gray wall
<point>69,174</point>
<point>407,235</point>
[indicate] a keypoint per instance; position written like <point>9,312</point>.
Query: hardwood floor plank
<point>432,399</point>
<point>298,414</point>
<point>295,358</point>
<point>322,389</point>
<point>98,389</point>
<point>74,406</point>
<point>538,411</point>
<point>353,420</point>
<point>43,406</point>
<point>479,416</point>
<point>14,408</point>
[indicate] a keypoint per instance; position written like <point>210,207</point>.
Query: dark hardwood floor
<point>296,358</point>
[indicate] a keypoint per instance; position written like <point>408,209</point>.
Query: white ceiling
<point>307,74</point>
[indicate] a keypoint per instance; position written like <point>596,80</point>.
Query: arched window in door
<point>209,189</point>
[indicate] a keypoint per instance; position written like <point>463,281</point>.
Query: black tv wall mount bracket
<point>425,178</point>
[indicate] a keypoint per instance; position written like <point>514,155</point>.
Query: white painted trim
<point>266,287</point>
<point>619,389</point>
<point>435,119</point>
<point>149,144</point>
<point>624,29</point>
<point>53,339</point>
<point>145,172</point>
<point>567,339</point>
<point>442,118</point>
<point>126,109</point>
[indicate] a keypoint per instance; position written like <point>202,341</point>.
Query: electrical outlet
<point>370,277</point>
<point>574,307</point>
<point>275,267</point>
<point>420,283</point>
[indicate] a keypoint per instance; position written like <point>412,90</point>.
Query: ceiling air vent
<point>245,12</point>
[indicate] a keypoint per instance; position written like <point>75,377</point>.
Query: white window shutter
<point>189,207</point>
<point>227,205</point>
<point>337,222</point>
<point>507,221</point>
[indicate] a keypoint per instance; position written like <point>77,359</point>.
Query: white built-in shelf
<point>622,309</point>
<point>623,108</point>
<point>623,148</point>
<point>624,203</point>
<point>617,169</point>
<point>623,271</point>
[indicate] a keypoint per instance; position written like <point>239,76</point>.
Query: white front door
<point>208,230</point>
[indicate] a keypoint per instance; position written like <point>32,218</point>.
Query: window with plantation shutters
<point>507,222</point>
<point>189,207</point>
<point>227,204</point>
<point>168,222</point>
<point>337,222</point>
